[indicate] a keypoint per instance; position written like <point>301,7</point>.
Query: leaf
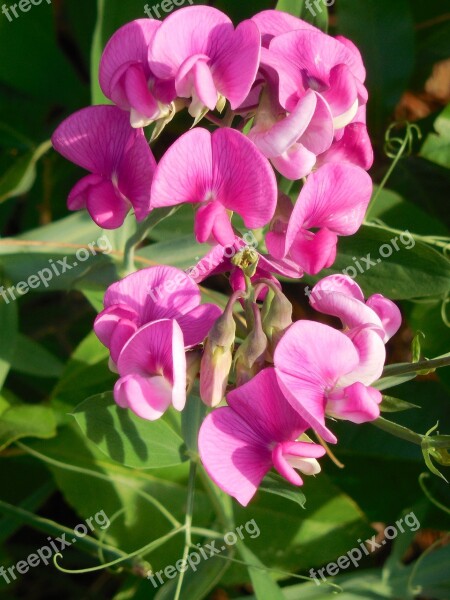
<point>33,359</point>
<point>391,381</point>
<point>20,420</point>
<point>8,337</point>
<point>274,484</point>
<point>263,585</point>
<point>390,404</point>
<point>413,271</point>
<point>184,254</point>
<point>22,174</point>
<point>126,438</point>
<point>315,13</point>
<point>437,145</point>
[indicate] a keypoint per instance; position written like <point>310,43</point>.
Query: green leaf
<point>390,381</point>
<point>263,585</point>
<point>126,438</point>
<point>413,271</point>
<point>274,484</point>
<point>20,420</point>
<point>184,254</point>
<point>390,404</point>
<point>33,359</point>
<point>315,13</point>
<point>22,174</point>
<point>8,337</point>
<point>437,145</point>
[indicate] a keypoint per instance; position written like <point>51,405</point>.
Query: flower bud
<point>249,359</point>
<point>218,356</point>
<point>277,316</point>
<point>246,260</point>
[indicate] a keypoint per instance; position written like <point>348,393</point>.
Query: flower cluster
<point>297,99</point>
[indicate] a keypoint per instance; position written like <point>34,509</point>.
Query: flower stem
<point>187,524</point>
<point>398,430</point>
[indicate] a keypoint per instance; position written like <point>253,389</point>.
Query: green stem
<point>422,365</point>
<point>187,524</point>
<point>398,430</point>
<point>75,469</point>
<point>216,498</point>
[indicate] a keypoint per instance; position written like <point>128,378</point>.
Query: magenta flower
<point>198,48</point>
<point>211,170</point>
<point>323,371</point>
<point>125,76</point>
<point>340,296</point>
<point>152,369</point>
<point>101,140</point>
<point>293,141</point>
<point>333,200</point>
<point>309,59</point>
<point>150,295</point>
<point>353,146</point>
<point>240,443</point>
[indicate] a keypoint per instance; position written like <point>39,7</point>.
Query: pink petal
<point>147,397</point>
<point>314,251</point>
<point>78,194</point>
<point>368,341</point>
<point>236,57</point>
<point>275,22</point>
<point>336,196</point>
<point>135,89</point>
<point>197,323</point>
<point>184,172</point>
<point>155,293</point>
<point>107,321</point>
<point>252,193</point>
<point>295,163</point>
<point>107,207</point>
<point>212,222</point>
<point>388,312</point>
<point>342,97</point>
<point>318,137</point>
<point>357,404</point>
<point>309,359</point>
<point>262,404</point>
<point>354,147</point>
<point>232,454</point>
<point>182,34</point>
<point>194,79</point>
<point>157,349</point>
<point>129,44</point>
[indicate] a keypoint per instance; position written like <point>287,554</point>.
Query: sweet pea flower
<point>221,172</point>
<point>152,369</point>
<point>121,164</point>
<point>353,146</point>
<point>341,297</point>
<point>126,78</point>
<point>150,295</point>
<point>292,141</point>
<point>334,200</point>
<point>240,443</point>
<point>209,60</point>
<point>309,59</point>
<point>322,372</point>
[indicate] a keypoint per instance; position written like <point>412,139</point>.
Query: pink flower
<point>340,296</point>
<point>293,140</point>
<point>333,200</point>
<point>323,371</point>
<point>354,146</point>
<point>126,78</point>
<point>101,140</point>
<point>309,59</point>
<point>240,443</point>
<point>212,170</point>
<point>150,295</point>
<point>152,369</point>
<point>198,48</point>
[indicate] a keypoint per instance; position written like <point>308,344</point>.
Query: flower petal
<point>197,323</point>
<point>107,207</point>
<point>232,454</point>
<point>147,397</point>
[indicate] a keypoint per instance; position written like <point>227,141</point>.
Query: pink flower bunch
<point>299,96</point>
